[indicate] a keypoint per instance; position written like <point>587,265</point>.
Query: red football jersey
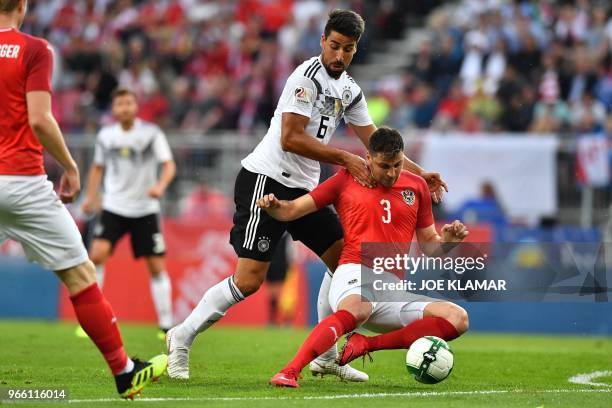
<point>376,215</point>
<point>26,63</point>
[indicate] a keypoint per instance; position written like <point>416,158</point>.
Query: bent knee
<point>248,283</point>
<point>359,308</point>
<point>459,318</point>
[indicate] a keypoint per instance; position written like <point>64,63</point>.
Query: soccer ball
<point>429,360</point>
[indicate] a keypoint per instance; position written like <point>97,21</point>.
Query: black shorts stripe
<point>252,209</point>
<point>251,229</point>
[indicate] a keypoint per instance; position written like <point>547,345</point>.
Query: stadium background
<point>510,101</point>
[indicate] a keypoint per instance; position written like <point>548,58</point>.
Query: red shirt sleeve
<point>328,192</point>
<point>38,66</point>
<point>424,214</point>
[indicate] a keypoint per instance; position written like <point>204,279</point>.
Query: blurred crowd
<point>197,65</point>
<point>508,66</point>
<point>202,65</point>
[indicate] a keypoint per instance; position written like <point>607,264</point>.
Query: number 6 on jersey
<point>387,207</point>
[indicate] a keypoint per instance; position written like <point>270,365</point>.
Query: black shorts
<point>279,263</point>
<point>145,232</point>
<point>255,234</point>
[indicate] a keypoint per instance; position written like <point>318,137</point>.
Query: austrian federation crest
<point>408,196</point>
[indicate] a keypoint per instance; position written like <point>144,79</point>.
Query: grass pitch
<point>230,367</point>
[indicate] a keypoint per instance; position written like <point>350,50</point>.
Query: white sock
<point>100,275</point>
<point>129,366</point>
<point>161,291</point>
<point>324,309</point>
<point>216,301</point>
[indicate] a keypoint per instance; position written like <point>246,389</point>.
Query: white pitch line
<point>587,378</point>
<point>348,396</point>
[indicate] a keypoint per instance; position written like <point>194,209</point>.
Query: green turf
<point>231,366</point>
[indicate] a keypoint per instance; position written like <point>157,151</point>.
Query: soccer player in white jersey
<point>129,153</point>
<point>316,97</point>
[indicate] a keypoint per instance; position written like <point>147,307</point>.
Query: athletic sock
<point>324,335</point>
<point>212,307</point>
<point>161,292</point>
<point>404,337</point>
<point>96,317</point>
<point>323,310</point>
<point>128,367</point>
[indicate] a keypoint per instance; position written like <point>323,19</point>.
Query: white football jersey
<point>130,159</point>
<point>310,92</point>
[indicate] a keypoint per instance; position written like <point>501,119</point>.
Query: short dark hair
<point>345,22</point>
<point>6,6</point>
<point>386,141</point>
<point>122,92</point>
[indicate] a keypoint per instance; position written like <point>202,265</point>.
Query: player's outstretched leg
<point>322,337</point>
<point>217,300</point>
<point>327,363</point>
<point>441,319</point>
<point>98,320</point>
<point>353,310</point>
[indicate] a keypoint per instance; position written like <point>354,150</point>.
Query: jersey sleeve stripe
<point>318,85</point>
<point>310,68</point>
<point>355,101</point>
<point>315,72</point>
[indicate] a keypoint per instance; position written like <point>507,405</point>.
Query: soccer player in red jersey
<point>392,212</point>
<point>30,211</point>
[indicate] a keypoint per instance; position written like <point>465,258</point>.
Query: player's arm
<point>285,210</point>
<point>434,244</point>
<point>163,154</point>
<point>93,186</point>
<point>168,172</point>
<point>436,185</point>
<point>294,139</point>
<point>47,131</point>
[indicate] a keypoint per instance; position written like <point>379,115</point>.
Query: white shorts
<point>32,214</point>
<point>390,311</point>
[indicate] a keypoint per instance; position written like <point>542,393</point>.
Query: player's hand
<point>455,232</point>
<point>436,185</point>
<point>156,191</point>
<point>70,185</point>
<point>358,168</point>
<point>88,206</point>
<point>268,201</point>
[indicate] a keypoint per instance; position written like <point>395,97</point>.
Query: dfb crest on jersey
<point>347,95</point>
<point>263,244</point>
<point>408,196</point>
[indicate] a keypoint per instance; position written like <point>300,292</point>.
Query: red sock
<point>98,320</point>
<point>404,337</point>
<point>323,336</point>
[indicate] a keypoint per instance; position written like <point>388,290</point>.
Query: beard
<point>333,73</point>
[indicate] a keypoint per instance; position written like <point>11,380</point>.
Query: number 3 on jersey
<point>323,127</point>
<point>386,218</point>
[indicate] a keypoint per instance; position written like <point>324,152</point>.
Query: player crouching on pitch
<point>391,212</point>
